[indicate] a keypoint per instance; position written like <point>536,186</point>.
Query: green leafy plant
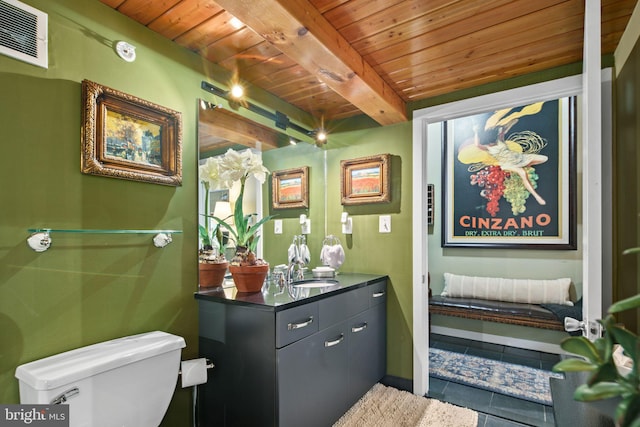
<point>605,380</point>
<point>208,234</point>
<point>223,172</point>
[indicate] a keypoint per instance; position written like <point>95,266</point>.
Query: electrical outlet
<point>277,226</point>
<point>385,224</point>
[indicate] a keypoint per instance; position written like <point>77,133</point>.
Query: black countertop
<point>274,297</point>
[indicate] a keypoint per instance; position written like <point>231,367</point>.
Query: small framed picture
<point>365,180</point>
<point>129,138</point>
<point>290,188</point>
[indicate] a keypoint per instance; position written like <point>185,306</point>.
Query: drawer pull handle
<point>359,328</point>
<point>334,342</point>
<point>378,294</point>
<point>292,326</point>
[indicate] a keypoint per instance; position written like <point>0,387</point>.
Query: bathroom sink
<point>323,283</point>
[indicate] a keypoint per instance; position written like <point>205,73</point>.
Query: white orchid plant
<point>222,172</point>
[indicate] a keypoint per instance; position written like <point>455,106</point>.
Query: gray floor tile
<point>519,410</point>
<point>524,361</point>
<point>469,397</point>
<point>494,409</point>
<point>459,348</point>
<point>531,354</point>
<point>436,385</point>
<point>482,420</point>
<point>547,365</point>
<point>492,421</point>
<point>552,357</point>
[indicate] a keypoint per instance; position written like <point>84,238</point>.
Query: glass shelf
<point>40,240</point>
<point>89,231</point>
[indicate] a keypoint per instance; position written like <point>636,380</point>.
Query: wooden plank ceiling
<point>340,58</point>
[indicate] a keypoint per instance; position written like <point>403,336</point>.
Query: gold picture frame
<point>129,138</point>
<point>290,188</point>
<point>365,180</point>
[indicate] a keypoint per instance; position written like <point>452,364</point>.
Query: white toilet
<point>126,382</point>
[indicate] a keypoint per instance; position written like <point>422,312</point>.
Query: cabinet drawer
<point>377,293</point>
<point>337,308</point>
<point>296,323</point>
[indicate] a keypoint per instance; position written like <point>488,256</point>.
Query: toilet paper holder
<point>194,372</point>
<point>209,365</point>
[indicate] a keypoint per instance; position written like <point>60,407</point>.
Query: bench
<point>461,300</point>
<point>523,314</point>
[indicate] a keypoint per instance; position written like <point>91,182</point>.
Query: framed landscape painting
<point>127,137</point>
<point>510,178</point>
<point>365,180</point>
<point>290,188</point>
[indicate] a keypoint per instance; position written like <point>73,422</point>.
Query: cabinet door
<point>367,350</point>
<point>312,379</point>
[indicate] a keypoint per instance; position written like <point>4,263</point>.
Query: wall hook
<point>39,242</point>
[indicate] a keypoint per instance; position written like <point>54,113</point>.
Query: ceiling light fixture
<point>236,23</point>
<point>321,136</point>
<point>236,92</point>
<point>280,119</point>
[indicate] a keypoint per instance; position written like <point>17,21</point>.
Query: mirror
<point>220,129</point>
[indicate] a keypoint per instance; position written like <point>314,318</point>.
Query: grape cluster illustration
<point>497,183</point>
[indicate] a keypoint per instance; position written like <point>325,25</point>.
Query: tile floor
<point>495,410</point>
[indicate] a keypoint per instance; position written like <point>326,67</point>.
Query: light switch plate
<point>347,226</point>
<point>277,226</point>
<point>306,227</point>
<point>385,224</point>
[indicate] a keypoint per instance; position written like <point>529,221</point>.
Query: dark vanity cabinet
<point>303,362</point>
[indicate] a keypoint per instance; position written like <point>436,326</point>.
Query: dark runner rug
<point>510,379</point>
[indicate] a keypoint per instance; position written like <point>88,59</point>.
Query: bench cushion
<point>523,314</point>
<point>530,291</point>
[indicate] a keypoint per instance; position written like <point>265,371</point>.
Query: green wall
<point>90,288</point>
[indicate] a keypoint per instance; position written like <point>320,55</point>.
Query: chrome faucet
<point>296,259</point>
<point>291,267</point>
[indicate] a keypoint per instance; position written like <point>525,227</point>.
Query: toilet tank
<point>127,381</point>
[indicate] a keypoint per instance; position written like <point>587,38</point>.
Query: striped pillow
<point>532,291</point>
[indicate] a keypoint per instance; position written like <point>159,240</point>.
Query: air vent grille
<point>23,32</point>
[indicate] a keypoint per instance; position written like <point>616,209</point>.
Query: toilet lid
<point>73,365</point>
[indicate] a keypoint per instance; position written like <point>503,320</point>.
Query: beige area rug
<point>389,407</point>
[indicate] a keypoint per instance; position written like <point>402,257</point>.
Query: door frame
<point>592,260</point>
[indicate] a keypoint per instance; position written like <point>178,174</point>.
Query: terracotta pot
<point>249,278</point>
<point>212,274</point>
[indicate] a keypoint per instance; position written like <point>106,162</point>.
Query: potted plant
<point>247,270</point>
<point>211,260</point>
<point>608,380</point>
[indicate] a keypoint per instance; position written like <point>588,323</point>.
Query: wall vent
<point>23,32</point>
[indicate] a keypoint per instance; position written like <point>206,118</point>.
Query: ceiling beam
<point>298,29</point>
<point>228,126</point>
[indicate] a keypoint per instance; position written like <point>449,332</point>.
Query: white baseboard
<point>498,339</point>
